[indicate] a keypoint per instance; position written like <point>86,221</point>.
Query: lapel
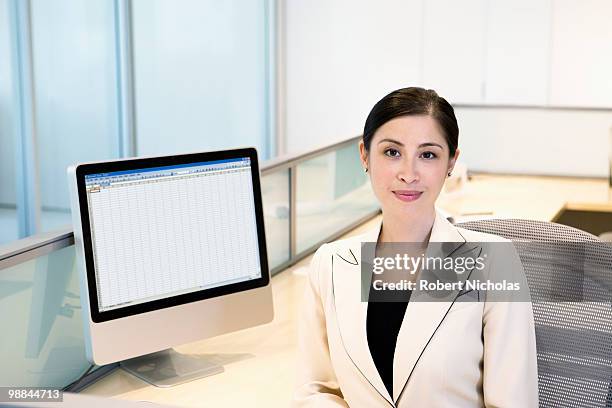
<point>351,312</point>
<point>420,321</point>
<point>423,317</point>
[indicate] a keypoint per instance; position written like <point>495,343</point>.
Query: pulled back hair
<point>413,101</point>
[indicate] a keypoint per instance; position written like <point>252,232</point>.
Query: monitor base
<point>168,368</point>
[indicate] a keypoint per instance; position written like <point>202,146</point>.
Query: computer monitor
<point>171,250</point>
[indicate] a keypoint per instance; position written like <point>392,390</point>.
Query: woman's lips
<point>408,195</point>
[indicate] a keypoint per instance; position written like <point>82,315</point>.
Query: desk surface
<point>529,197</point>
<point>260,362</point>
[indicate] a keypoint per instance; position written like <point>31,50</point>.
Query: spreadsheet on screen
<point>163,231</point>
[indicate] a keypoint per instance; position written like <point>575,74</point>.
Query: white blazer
<point>448,354</point>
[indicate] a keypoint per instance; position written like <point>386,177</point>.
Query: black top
<point>383,323</point>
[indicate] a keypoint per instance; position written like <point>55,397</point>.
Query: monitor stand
<point>168,368</point>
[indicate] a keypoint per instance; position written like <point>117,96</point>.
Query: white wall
<point>535,141</point>
<point>342,56</point>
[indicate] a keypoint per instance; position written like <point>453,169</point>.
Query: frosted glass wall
<point>332,192</point>
<point>275,197</point>
<point>201,79</point>
<point>42,341</point>
<point>200,69</point>
<point>8,211</point>
<point>75,94</point>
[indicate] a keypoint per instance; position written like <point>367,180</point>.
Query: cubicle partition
<point>308,199</point>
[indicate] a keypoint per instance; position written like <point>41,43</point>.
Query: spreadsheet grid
<point>159,236</point>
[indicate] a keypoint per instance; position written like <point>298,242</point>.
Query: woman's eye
<point>428,155</point>
<point>392,152</point>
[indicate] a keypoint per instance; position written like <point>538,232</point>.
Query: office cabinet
<point>453,49</point>
<point>581,57</point>
<point>345,55</point>
<point>517,52</point>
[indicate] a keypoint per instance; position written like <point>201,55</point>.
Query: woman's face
<point>408,162</point>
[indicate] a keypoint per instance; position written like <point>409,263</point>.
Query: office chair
<point>569,273</point>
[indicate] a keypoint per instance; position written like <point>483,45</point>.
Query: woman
<point>408,353</point>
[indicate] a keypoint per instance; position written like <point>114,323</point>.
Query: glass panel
<point>8,203</point>
<point>200,75</point>
<point>275,196</point>
<point>75,94</point>
<point>332,193</point>
<point>42,336</point>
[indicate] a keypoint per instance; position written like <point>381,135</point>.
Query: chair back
<point>569,273</point>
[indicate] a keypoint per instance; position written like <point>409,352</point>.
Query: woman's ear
<point>363,155</point>
<point>452,161</point>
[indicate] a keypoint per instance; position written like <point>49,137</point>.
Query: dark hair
<point>413,101</point>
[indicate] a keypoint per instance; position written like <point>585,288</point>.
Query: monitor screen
<point>165,231</point>
<point>160,234</point>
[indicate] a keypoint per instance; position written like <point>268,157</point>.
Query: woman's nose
<point>408,173</point>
